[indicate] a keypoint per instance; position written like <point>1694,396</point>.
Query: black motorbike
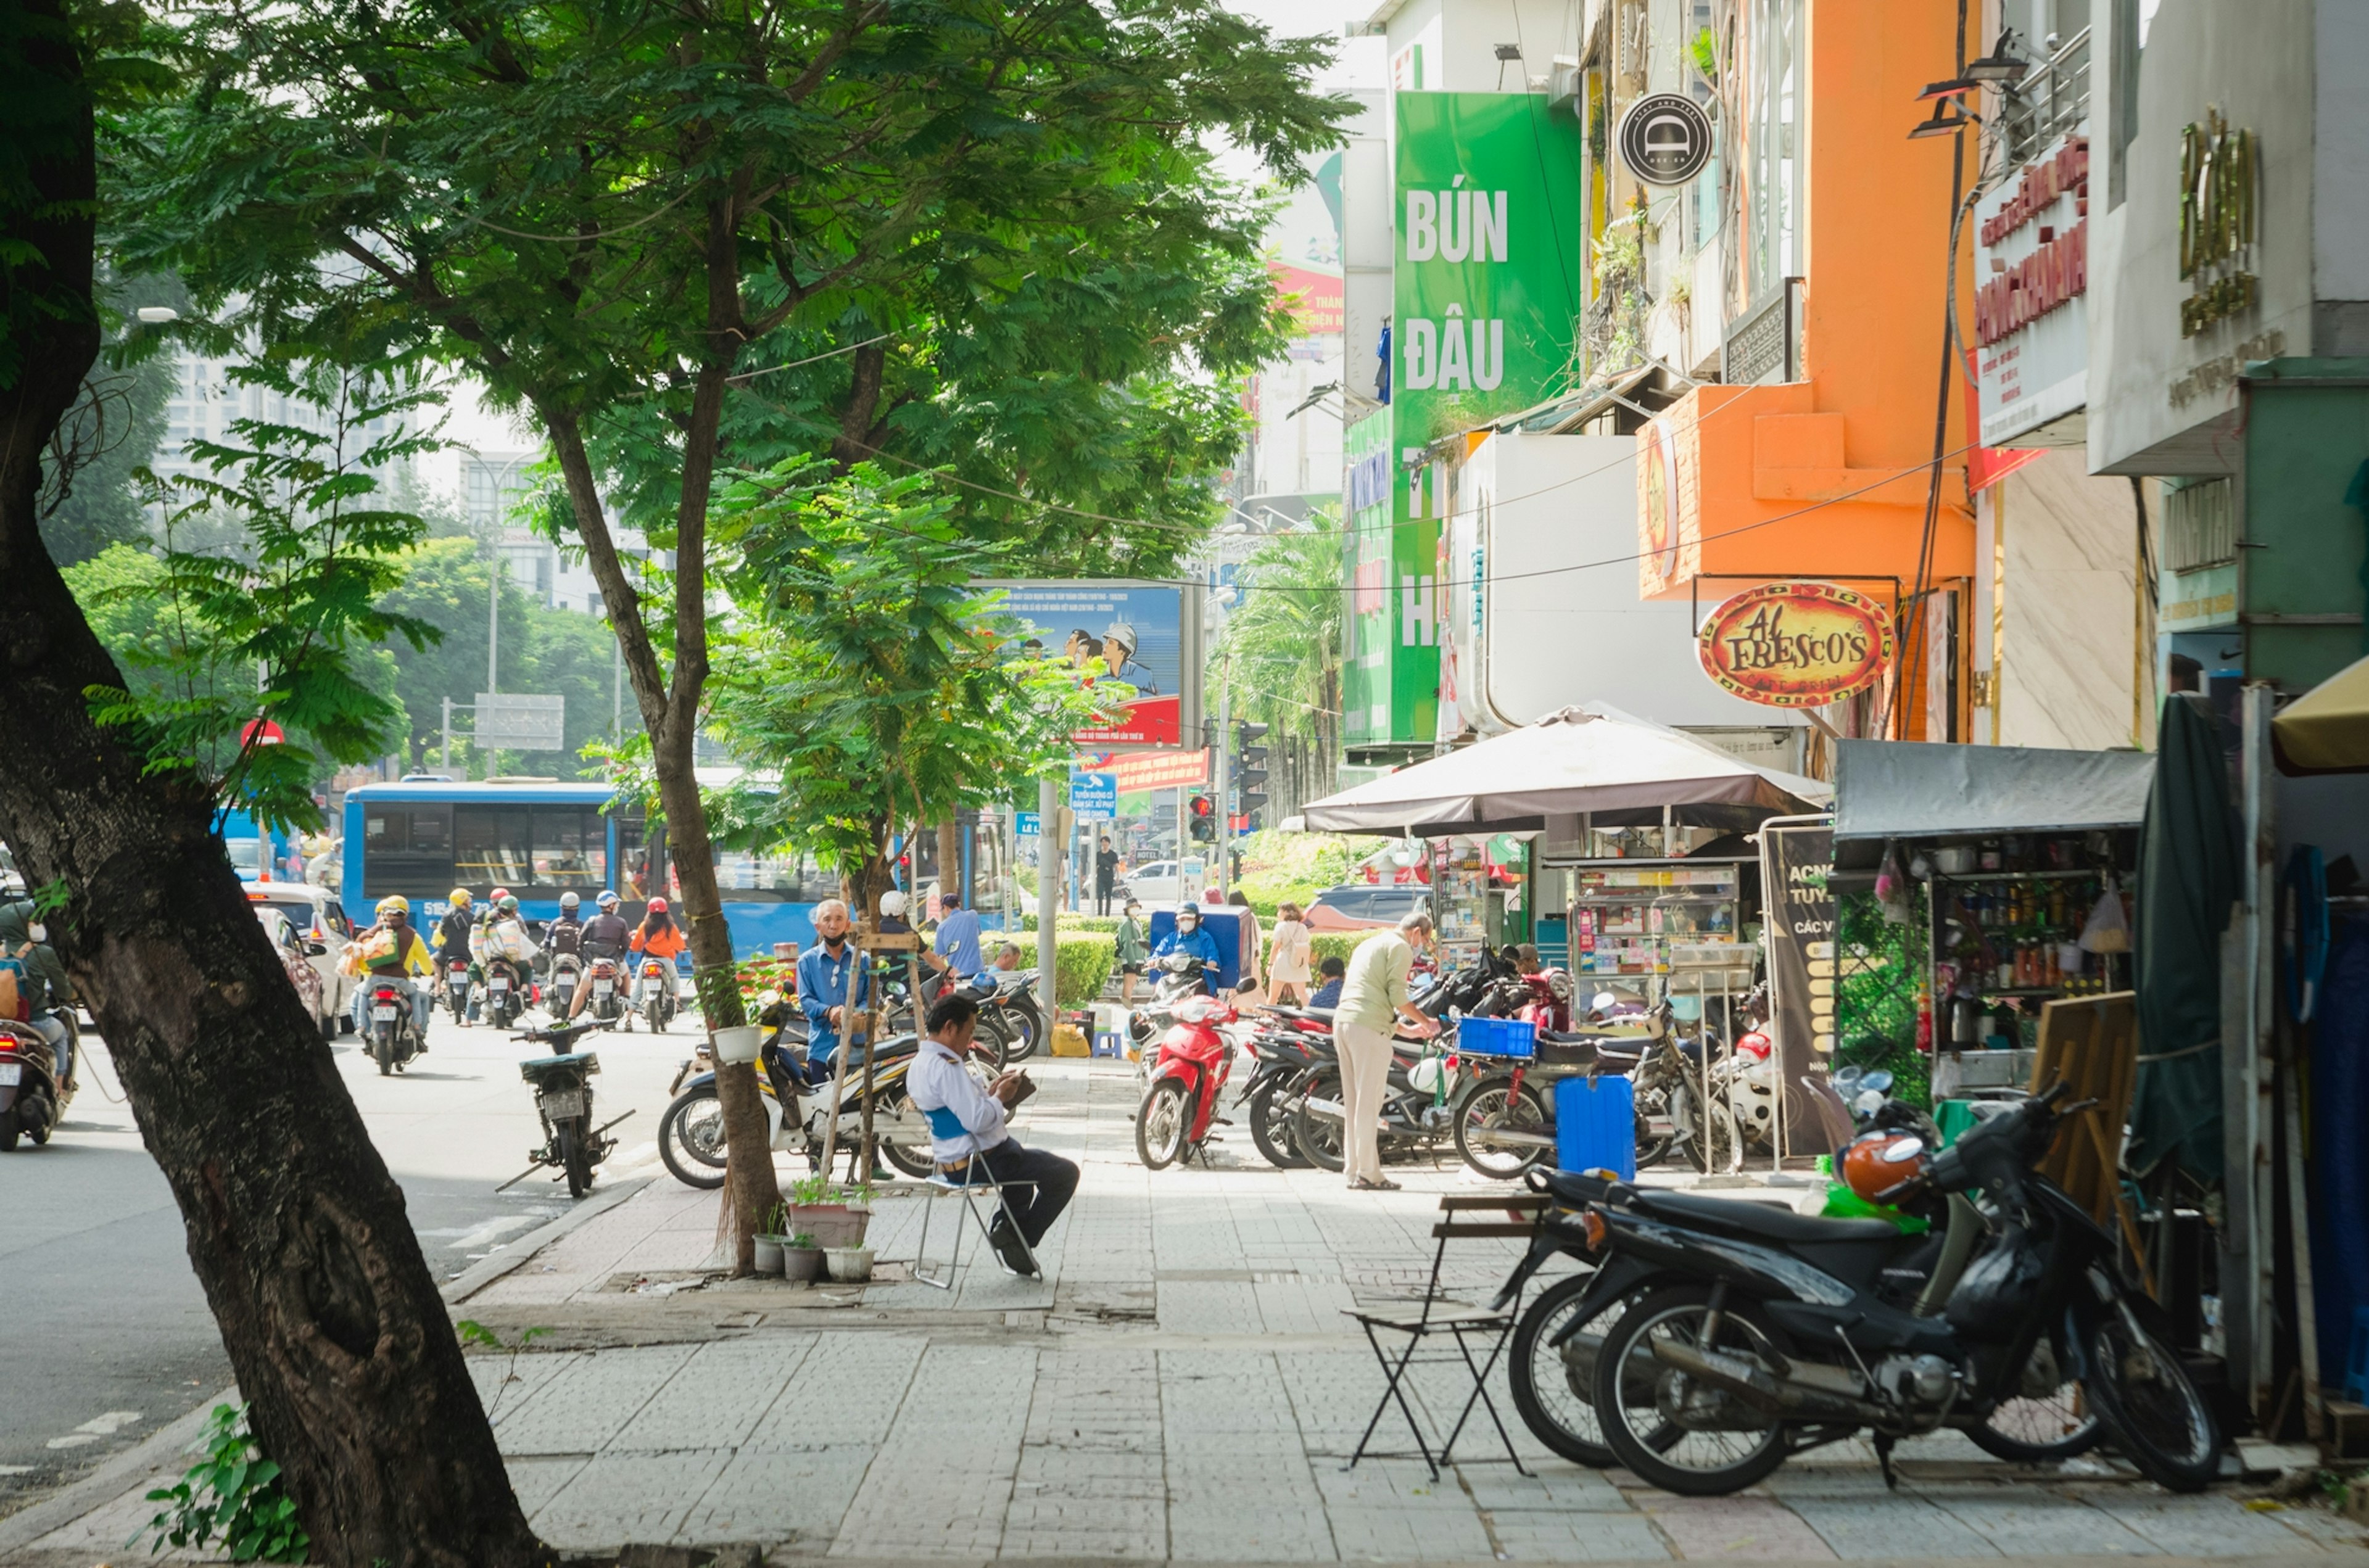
<point>1284,1044</point>
<point>456,989</point>
<point>505,994</point>
<point>1742,1340</point>
<point>566,975</point>
<point>392,1036</point>
<point>563,1098</point>
<point>30,1102</point>
<point>605,973</point>
<point>1007,1009</point>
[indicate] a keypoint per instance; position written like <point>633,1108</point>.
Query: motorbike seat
<point>536,1069</point>
<point>1768,1221</point>
<point>1579,1189</point>
<point>1312,1014</point>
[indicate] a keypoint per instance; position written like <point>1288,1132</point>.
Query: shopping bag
<point>2109,930</point>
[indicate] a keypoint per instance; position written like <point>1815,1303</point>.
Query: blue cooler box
<point>1497,1036</point>
<point>1595,1125</point>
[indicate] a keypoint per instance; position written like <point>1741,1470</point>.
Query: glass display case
<point>1460,898</point>
<point>1625,916</point>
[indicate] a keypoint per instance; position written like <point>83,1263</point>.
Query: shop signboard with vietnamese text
<point>1796,645</point>
<point>2031,269</point>
<point>1144,635</point>
<point>1800,933</point>
<point>1485,291</point>
<point>1137,772</point>
<point>1365,567</point>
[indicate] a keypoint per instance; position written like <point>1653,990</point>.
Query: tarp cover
<point>1594,759</point>
<point>1906,789</point>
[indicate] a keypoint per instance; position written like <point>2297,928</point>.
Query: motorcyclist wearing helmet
<point>1190,938</point>
<point>451,940</point>
<point>658,936</point>
<point>404,960</point>
<point>606,936</point>
<point>48,989</point>
<point>565,936</point>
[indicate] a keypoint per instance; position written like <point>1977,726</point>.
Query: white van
<point>1159,883</point>
<point>321,921</point>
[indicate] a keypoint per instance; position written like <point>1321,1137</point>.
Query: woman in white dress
<point>1287,967</point>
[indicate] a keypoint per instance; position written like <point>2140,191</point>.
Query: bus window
<point>987,889</point>
<point>763,878</point>
<point>571,847</point>
<point>633,858</point>
<point>493,846</point>
<point>407,847</point>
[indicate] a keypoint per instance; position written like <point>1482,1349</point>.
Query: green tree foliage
<point>1280,653</point>
<point>870,673</point>
<point>278,631</point>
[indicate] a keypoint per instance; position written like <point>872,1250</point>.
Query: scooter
<point>657,1003</point>
<point>1286,1045</point>
<point>505,994</point>
<point>29,1104</point>
<point>1186,1075</point>
<point>606,978</point>
<point>1008,1010</point>
<point>457,990</point>
<point>563,1099</point>
<point>566,974</point>
<point>393,1038</point>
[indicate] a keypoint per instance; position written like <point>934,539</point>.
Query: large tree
<point>601,206</point>
<point>295,1228</point>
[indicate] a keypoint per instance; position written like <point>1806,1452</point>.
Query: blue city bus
<point>540,840</point>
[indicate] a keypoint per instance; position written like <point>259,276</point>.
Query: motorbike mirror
<point>316,949</point>
<point>1248,984</point>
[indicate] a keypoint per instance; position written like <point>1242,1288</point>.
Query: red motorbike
<point>1188,1073</point>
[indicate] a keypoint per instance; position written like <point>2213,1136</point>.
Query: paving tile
<point>627,1497</point>
<point>1366,1532</point>
<point>2192,1527</point>
<point>1739,1528</point>
<point>1552,1483</point>
<point>1548,1536</point>
<point>716,1398</point>
<point>798,1495</point>
<point>2023,1520</point>
<point>581,1408</point>
<point>1871,1524</point>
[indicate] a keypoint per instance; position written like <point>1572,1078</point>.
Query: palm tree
<point>1281,655</point>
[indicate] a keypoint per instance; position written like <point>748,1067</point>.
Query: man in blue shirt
<point>1192,939</point>
<point>834,985</point>
<point>957,944</point>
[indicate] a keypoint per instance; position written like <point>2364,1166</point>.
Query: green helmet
<point>509,905</point>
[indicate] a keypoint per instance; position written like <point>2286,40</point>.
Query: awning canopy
<point>1906,789</point>
<point>1593,759</point>
<point>2326,730</point>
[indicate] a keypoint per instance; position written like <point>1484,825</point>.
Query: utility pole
<point>444,758</point>
<point>493,617</point>
<point>1048,868</point>
<point>1225,799</point>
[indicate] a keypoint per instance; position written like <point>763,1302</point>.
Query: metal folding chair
<point>975,1183</point>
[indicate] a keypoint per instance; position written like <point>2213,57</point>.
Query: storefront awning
<point>1594,759</point>
<point>2326,730</point>
<point>1897,789</point>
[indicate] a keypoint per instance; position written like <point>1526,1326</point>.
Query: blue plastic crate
<point>1497,1038</point>
<point>1595,1125</point>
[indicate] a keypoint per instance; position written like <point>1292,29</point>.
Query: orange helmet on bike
<point>1876,1165</point>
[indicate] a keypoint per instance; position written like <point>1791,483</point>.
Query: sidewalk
<point>1180,1386</point>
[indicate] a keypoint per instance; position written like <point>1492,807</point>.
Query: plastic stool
<point>1107,1044</point>
<point>2356,1360</point>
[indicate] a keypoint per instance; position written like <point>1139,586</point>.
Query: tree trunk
<point>950,879</point>
<point>296,1232</point>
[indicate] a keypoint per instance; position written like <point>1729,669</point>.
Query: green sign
<point>1368,570</point>
<point>1485,301</point>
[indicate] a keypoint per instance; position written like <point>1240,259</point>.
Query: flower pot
<point>769,1253</point>
<point>848,1265</point>
<point>738,1043</point>
<point>802,1263</point>
<point>832,1224</point>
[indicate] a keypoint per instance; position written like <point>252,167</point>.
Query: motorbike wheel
<point>1653,1146</point>
<point>2060,1426</point>
<point>2150,1408</point>
<point>1554,1386</point>
<point>1715,1148</point>
<point>1320,1138</point>
<point>1028,1026</point>
<point>382,1047</point>
<point>1271,1127</point>
<point>913,1160</point>
<point>1632,1385</point>
<point>1163,1124</point>
<point>658,1019</point>
<point>574,1158</point>
<point>690,1137</point>
<point>1494,1104</point>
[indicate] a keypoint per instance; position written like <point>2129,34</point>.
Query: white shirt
<point>937,1080</point>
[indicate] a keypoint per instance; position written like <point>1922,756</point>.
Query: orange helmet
<point>658,906</point>
<point>1877,1164</point>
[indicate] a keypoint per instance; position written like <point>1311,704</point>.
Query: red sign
<point>272,734</point>
<point>1796,645</point>
<point>1147,721</point>
<point>1140,770</point>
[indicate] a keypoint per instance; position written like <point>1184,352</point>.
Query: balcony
<point>2051,101</point>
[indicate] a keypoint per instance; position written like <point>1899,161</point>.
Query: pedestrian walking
<point>1105,875</point>
<point>1287,969</point>
<point>1133,953</point>
<point>1373,999</point>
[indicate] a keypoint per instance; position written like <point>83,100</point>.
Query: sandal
<point>1364,1186</point>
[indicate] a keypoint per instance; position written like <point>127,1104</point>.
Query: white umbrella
<point>1581,760</point>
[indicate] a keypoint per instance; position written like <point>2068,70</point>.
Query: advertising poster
<point>1365,567</point>
<point>1113,631</point>
<point>1794,864</point>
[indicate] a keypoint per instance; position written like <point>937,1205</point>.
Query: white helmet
<point>1121,633</point>
<point>892,904</point>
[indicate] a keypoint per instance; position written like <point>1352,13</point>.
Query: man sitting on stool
<point>967,1123</point>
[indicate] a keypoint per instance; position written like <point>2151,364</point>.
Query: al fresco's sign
<point>1796,645</point>
<point>2219,176</point>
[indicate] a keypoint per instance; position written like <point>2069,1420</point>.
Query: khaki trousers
<point>1365,1081</point>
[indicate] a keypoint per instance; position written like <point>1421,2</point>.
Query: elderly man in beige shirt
<point>1373,999</point>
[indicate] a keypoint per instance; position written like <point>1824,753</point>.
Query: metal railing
<point>2052,100</point>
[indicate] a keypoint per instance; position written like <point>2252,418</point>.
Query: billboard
<point>1147,634</point>
<point>2032,327</point>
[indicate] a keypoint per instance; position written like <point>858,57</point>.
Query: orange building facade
<point>1829,475</point>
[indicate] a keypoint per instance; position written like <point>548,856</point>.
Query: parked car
<point>296,957</point>
<point>1159,883</point>
<point>1364,907</point>
<point>320,919</point>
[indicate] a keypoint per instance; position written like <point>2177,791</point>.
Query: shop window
<point>1773,155</point>
<point>2200,525</point>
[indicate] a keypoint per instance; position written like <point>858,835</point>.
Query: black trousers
<point>1049,1182</point>
<point>1102,891</point>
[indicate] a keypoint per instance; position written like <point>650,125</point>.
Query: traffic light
<point>1203,816</point>
<point>1250,771</point>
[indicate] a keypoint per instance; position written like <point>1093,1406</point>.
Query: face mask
<point>38,932</point>
<point>836,941</point>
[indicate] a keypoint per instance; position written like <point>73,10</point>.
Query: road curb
<point>485,1272</point>
<point>159,1453</point>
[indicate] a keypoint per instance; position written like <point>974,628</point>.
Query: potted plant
<point>848,1265</point>
<point>772,1240</point>
<point>835,1216</point>
<point>802,1260</point>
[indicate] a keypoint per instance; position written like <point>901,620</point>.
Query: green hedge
<point>1081,964</point>
<point>1103,925</point>
<point>1338,944</point>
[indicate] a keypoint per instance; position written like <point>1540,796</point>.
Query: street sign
<point>1094,796</point>
<point>1027,824</point>
<point>513,723</point>
<point>1666,139</point>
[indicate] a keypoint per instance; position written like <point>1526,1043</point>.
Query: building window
<point>1772,155</point>
<point>2200,526</point>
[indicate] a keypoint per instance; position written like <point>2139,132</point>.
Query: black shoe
<point>1011,1251</point>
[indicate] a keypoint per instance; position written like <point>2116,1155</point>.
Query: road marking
<point>482,1234</point>
<point>17,1470</point>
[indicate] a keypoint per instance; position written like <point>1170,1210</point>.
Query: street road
<point>110,1337</point>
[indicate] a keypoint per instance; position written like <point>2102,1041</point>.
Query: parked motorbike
<point>1285,1044</point>
<point>1756,1344</point>
<point>657,998</point>
<point>1175,977</point>
<point>505,993</point>
<point>563,1098</point>
<point>30,1105</point>
<point>1008,1010</point>
<point>456,989</point>
<point>1186,1075</point>
<point>394,1037</point>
